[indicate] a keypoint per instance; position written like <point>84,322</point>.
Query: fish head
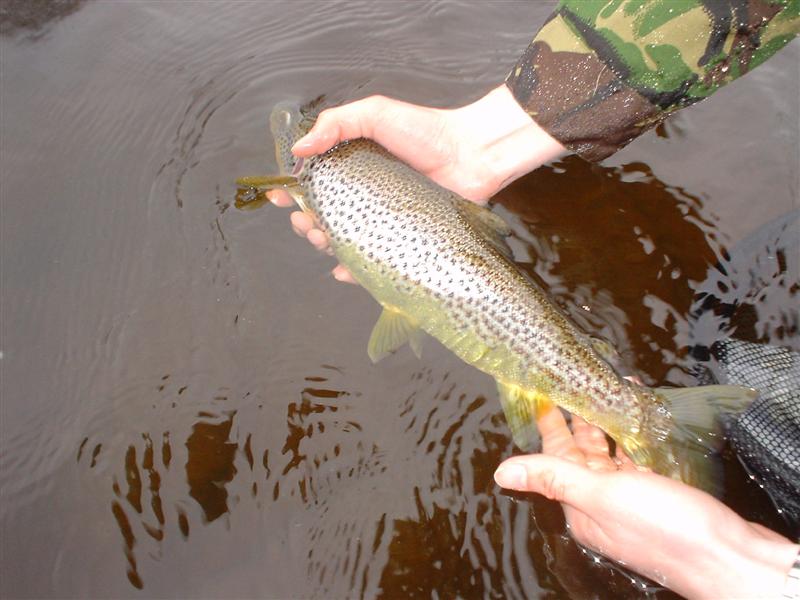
<point>288,123</point>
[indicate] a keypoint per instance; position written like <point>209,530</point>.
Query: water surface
<point>187,404</point>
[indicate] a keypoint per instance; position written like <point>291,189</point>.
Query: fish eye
<point>284,117</point>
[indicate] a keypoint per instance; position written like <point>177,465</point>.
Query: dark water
<point>187,405</point>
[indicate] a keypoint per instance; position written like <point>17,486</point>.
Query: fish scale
<point>438,263</point>
<point>384,221</point>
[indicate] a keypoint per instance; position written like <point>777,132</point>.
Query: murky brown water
<point>187,405</point>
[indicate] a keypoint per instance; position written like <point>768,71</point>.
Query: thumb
<point>346,122</point>
<point>322,137</point>
<point>553,477</point>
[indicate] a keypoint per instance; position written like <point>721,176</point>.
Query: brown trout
<point>438,263</point>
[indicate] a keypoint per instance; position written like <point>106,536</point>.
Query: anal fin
<point>392,330</point>
<point>521,408</point>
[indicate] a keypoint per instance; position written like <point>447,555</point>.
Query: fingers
<point>340,273</point>
<point>346,122</point>
<point>280,198</point>
<point>624,462</point>
<point>418,135</point>
<point>301,223</point>
<point>304,226</point>
<point>593,443</point>
<point>556,436</point>
<point>550,476</point>
<point>634,379</point>
<point>319,240</point>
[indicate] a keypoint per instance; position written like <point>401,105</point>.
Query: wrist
<point>511,143</point>
<point>742,566</point>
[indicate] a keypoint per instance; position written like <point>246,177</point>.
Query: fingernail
<point>303,143</point>
<point>512,476</point>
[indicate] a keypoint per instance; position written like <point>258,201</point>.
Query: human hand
<point>677,535</point>
<point>475,150</point>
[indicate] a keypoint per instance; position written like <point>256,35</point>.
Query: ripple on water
<point>191,406</point>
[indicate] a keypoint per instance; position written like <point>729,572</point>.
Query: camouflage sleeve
<point>602,72</point>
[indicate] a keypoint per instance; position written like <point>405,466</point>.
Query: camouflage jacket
<point>601,72</point>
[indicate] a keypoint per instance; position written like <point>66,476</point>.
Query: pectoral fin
<point>392,330</point>
<point>522,408</point>
<point>267,182</point>
<point>252,190</point>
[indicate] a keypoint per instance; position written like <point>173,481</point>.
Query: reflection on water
<point>187,401</point>
<point>208,468</point>
<point>751,293</point>
<point>363,527</point>
<point>210,465</point>
<point>655,235</point>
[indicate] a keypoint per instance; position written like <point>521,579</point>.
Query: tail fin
<point>687,450</point>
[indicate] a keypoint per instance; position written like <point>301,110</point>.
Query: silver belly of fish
<point>439,264</point>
